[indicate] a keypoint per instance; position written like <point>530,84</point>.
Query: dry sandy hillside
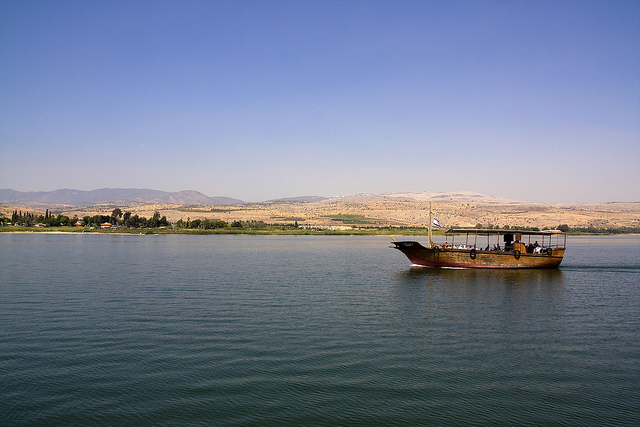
<point>411,209</point>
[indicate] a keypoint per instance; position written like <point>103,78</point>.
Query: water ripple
<point>304,331</point>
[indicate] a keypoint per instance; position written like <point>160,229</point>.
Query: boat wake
<point>615,268</point>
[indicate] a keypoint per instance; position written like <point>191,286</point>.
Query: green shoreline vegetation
<point>126,223</point>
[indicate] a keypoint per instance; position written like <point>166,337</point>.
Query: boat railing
<point>528,249</point>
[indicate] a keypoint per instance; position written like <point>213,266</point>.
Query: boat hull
<point>436,257</point>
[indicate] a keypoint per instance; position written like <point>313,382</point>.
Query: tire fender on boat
<point>436,248</point>
<point>516,254</point>
<point>548,251</point>
<point>473,253</point>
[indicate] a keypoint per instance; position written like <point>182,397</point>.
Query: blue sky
<point>257,100</point>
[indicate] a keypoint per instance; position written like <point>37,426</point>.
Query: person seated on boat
<point>537,250</point>
<point>445,245</point>
<point>488,247</point>
<point>508,242</point>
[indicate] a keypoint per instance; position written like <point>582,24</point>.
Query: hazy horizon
<point>465,193</point>
<point>265,100</point>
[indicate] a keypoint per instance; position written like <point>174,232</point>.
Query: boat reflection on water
<point>459,275</point>
<point>466,288</point>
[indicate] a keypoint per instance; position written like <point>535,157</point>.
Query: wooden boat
<point>488,248</point>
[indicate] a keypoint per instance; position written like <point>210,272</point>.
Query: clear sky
<point>531,100</point>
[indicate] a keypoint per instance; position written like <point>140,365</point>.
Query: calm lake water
<point>310,330</point>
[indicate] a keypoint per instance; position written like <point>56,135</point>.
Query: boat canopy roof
<point>501,231</point>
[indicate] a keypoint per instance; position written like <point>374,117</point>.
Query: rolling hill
<point>70,197</point>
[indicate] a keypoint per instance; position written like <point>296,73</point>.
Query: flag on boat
<point>436,223</point>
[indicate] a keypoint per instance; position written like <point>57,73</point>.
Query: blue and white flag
<point>436,223</point>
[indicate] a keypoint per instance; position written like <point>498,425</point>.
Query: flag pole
<point>430,226</point>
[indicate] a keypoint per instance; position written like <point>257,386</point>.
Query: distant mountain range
<point>459,196</point>
<point>300,199</point>
<point>79,198</point>
<point>110,195</point>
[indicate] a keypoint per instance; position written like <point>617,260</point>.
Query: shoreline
<point>374,213</point>
<point>267,232</point>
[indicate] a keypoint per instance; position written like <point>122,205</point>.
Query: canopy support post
<point>430,227</point>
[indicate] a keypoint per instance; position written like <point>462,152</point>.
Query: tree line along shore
<point>126,222</point>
